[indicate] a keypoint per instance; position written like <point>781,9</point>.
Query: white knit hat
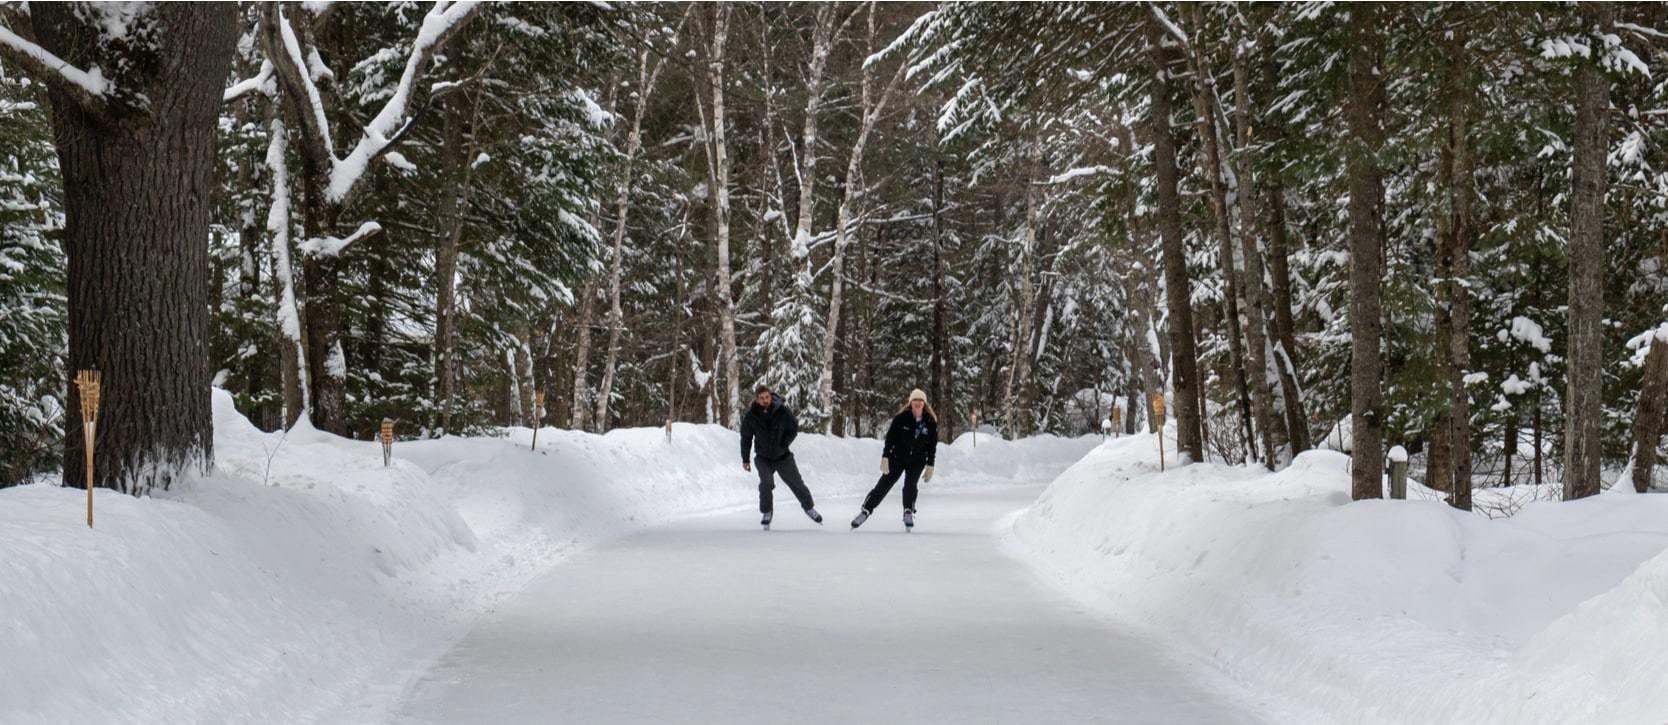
<point>916,394</point>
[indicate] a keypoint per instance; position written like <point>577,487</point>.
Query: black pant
<point>911,473</point>
<point>790,475</point>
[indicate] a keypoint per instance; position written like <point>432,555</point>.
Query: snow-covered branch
<point>1169,26</point>
<point>442,21</point>
<point>88,87</point>
<point>295,66</point>
<point>261,83</point>
<point>331,246</point>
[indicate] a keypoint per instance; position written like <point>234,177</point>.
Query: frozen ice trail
<point>712,620</point>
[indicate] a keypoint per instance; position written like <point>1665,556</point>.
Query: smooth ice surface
<point>712,620</point>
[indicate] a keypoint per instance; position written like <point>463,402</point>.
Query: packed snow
<point>304,581</point>
<point>1375,611</point>
<point>303,577</point>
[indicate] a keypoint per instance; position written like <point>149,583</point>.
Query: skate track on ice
<point>711,619</point>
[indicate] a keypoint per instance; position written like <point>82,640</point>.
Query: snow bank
<point>1378,611</point>
<point>305,581</point>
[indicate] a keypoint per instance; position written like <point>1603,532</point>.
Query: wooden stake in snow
<point>538,416</point>
<point>974,431</point>
<point>1158,417</point>
<point>387,442</point>
<point>1398,472</point>
<point>87,381</point>
<point>1117,421</point>
<point>668,430</point>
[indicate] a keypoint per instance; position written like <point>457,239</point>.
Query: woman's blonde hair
<point>924,405</point>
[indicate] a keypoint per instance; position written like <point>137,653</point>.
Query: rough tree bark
<point>329,182</point>
<point>1280,287</point>
<point>138,163</point>
<point>582,356</point>
<point>1457,298</point>
<point>1184,355</point>
<point>1653,405</point>
<point>941,367</point>
<point>1584,391</point>
<point>718,162</point>
<point>870,110</point>
<point>455,165</point>
<point>1366,195</point>
<point>1256,308</point>
<point>647,74</point>
<point>1019,359</point>
<point>1210,162</point>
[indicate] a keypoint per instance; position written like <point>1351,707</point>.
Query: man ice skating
<point>769,428</point>
<point>911,447</point>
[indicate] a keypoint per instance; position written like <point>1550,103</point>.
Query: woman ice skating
<point>911,446</point>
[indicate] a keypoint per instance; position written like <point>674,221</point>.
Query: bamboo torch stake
<point>88,383</point>
<point>1158,413</point>
<point>538,416</point>
<point>387,442</point>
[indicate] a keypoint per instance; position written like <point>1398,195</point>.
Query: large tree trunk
<point>138,179</point>
<point>1256,316</point>
<point>1653,405</point>
<point>1366,194</point>
<point>870,109</point>
<point>1016,413</point>
<point>450,212</point>
<point>291,352</point>
<point>526,384</point>
<point>329,182</point>
<point>1184,355</point>
<point>1204,109</point>
<point>719,158</point>
<point>1280,285</point>
<point>821,39</point>
<point>582,357</point>
<point>1585,379</point>
<point>616,319</point>
<point>1459,266</point>
<point>941,364</point>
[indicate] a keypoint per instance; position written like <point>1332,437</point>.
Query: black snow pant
<point>911,474</point>
<point>790,475</point>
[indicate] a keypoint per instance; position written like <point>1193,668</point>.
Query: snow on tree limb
<point>260,83</point>
<point>295,62</point>
<point>444,20</point>
<point>279,224</point>
<point>328,246</point>
<point>1169,26</point>
<point>89,88</point>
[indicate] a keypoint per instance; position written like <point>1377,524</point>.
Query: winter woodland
<point>556,246</point>
<point>1444,222</point>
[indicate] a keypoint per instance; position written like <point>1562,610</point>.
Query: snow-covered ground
<point>304,581</point>
<point>303,577</point>
<point>1379,611</point>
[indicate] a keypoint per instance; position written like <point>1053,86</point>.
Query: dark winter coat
<point>912,442</point>
<point>769,430</point>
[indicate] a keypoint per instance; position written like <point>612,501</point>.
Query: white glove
<point>885,466</point>
<point>927,476</point>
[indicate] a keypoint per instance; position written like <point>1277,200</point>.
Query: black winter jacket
<point>910,441</point>
<point>772,430</point>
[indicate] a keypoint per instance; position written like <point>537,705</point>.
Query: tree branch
<point>88,89</point>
